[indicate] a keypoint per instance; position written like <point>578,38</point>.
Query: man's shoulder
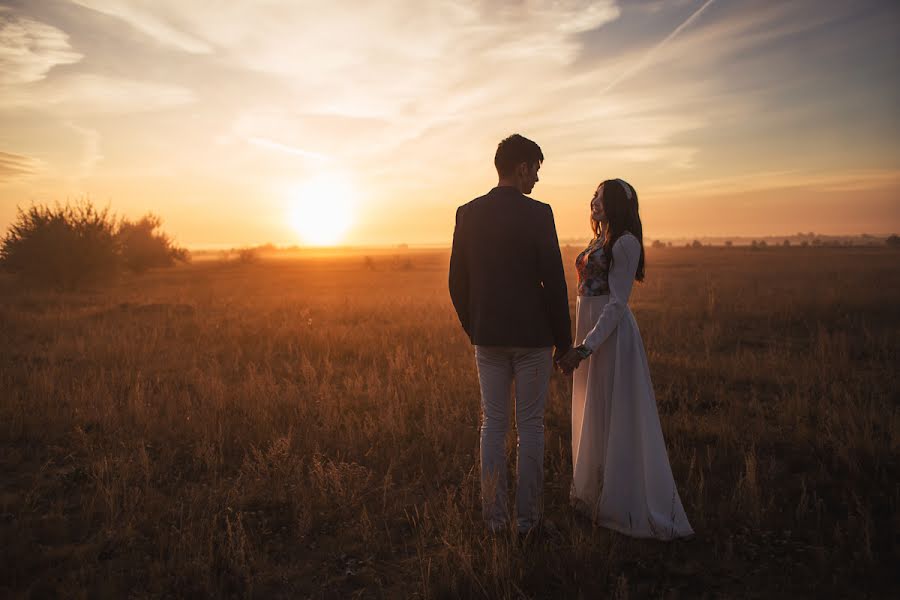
<point>527,201</point>
<point>540,206</point>
<point>471,204</point>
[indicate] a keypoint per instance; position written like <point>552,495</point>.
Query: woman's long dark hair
<point>622,214</point>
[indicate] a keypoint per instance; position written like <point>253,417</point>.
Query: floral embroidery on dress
<point>593,270</point>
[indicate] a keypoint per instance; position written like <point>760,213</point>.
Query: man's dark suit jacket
<point>506,274</point>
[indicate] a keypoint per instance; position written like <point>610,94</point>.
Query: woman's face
<point>597,206</point>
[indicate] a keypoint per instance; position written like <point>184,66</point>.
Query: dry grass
<point>309,428</point>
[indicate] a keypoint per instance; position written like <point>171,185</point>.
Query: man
<point>509,290</point>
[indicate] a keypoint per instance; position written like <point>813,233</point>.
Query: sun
<point>322,209</point>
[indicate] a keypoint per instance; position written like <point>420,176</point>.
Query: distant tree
<point>61,245</point>
<point>786,243</point>
<point>248,256</point>
<point>668,244</point>
<point>762,243</point>
<point>805,243</point>
<point>893,241</point>
<point>817,242</point>
<point>728,243</point>
<point>368,263</point>
<point>696,244</point>
<point>658,244</point>
<point>143,247</point>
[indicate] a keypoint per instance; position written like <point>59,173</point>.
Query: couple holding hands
<point>509,290</point>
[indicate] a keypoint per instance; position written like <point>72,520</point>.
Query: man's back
<point>506,276</point>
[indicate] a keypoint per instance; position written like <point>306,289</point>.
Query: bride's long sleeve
<point>626,255</point>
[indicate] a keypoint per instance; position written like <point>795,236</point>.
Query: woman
<point>622,478</point>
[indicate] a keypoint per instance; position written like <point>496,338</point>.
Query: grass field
<point>309,428</point>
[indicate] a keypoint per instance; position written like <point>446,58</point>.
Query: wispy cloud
<point>142,17</point>
<point>88,94</point>
<point>90,154</point>
<point>14,166</point>
<point>857,180</point>
<point>272,145</point>
<point>29,49</point>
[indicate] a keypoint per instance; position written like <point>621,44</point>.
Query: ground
<point>308,427</point>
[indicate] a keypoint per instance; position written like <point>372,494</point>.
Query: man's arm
<point>553,276</point>
<point>459,274</point>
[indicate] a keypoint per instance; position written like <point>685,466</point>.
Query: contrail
<point>258,141</point>
<point>648,57</point>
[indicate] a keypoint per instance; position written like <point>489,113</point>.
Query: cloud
<point>858,180</point>
<point>87,94</point>
<point>29,49</point>
<point>91,154</point>
<point>14,166</point>
<point>140,16</point>
<point>405,79</point>
<point>371,59</point>
<point>273,145</point>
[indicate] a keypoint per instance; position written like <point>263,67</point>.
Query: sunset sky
<point>244,122</point>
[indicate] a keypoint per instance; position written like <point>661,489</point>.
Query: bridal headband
<point>629,191</point>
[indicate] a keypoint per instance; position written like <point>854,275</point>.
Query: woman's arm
<point>626,255</point>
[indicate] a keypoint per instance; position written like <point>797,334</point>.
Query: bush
<point>62,245</point>
<point>142,247</point>
<point>65,246</point>
<point>893,241</point>
<point>248,256</point>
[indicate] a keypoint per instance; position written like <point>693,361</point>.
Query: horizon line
<point>562,242</point>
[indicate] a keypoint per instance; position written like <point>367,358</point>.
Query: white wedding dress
<point>621,473</point>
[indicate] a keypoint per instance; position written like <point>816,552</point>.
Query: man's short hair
<point>514,151</point>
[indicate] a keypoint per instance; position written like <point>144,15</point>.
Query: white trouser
<point>530,368</point>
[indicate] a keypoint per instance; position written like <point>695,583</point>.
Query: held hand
<point>557,356</point>
<point>570,361</point>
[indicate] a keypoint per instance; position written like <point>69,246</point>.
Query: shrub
<point>62,245</point>
<point>65,246</point>
<point>893,241</point>
<point>248,256</point>
<point>143,247</point>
